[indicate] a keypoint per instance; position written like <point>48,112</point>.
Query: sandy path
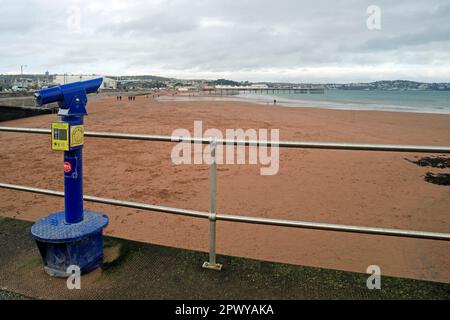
<point>359,188</point>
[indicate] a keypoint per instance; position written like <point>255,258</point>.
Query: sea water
<point>379,100</point>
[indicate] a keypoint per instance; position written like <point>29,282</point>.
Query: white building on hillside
<point>107,83</point>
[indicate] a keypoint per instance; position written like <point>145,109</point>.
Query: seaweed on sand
<point>442,179</point>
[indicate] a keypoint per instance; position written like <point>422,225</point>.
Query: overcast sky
<point>256,40</point>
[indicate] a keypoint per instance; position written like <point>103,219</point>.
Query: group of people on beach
<point>132,98</point>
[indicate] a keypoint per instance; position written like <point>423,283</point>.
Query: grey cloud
<point>195,38</point>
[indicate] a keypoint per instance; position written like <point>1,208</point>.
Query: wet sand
<point>375,189</point>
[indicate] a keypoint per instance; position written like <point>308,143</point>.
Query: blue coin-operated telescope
<point>72,237</point>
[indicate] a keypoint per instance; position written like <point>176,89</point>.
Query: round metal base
<point>63,245</point>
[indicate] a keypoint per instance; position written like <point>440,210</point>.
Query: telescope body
<point>71,97</point>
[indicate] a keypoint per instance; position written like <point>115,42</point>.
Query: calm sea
<point>404,101</point>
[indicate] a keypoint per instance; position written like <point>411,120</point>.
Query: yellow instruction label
<point>60,136</point>
<point>76,136</point>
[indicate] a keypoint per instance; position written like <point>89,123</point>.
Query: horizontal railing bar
<point>246,219</point>
<point>26,130</point>
<point>151,207</point>
<point>121,203</point>
<point>336,227</point>
<point>282,144</point>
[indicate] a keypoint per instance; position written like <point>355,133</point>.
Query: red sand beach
<point>375,189</point>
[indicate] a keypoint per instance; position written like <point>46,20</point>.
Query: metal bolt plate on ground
<point>215,266</point>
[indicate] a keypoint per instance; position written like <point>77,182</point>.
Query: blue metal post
<point>73,179</point>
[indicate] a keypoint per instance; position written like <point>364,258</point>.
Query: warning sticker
<point>76,136</point>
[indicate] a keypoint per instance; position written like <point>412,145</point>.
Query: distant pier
<point>234,91</point>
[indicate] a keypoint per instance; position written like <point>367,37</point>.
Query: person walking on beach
<point>274,101</point>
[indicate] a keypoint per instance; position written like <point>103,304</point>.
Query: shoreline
<point>305,104</point>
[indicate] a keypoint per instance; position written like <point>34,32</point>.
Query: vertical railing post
<point>212,264</point>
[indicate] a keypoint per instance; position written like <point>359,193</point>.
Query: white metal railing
<point>213,216</point>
